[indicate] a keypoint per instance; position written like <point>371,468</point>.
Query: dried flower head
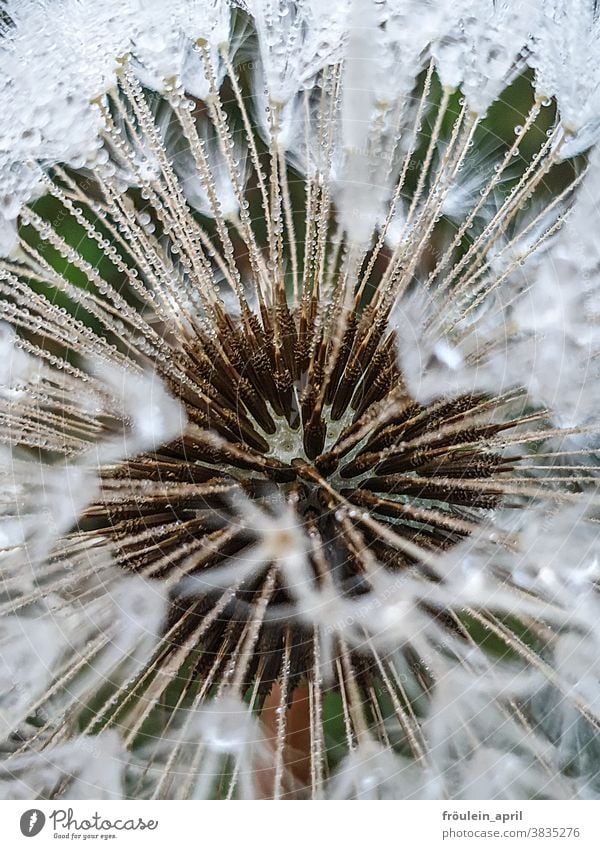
<point>298,362</point>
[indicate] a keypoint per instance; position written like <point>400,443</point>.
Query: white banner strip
<point>317,825</point>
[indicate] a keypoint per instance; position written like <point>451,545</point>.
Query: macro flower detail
<point>299,355</point>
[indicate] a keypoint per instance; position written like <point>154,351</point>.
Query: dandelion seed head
<point>298,360</point>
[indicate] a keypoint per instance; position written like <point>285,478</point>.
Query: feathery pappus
<point>298,399</point>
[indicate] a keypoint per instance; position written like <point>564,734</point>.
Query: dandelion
<point>299,359</point>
